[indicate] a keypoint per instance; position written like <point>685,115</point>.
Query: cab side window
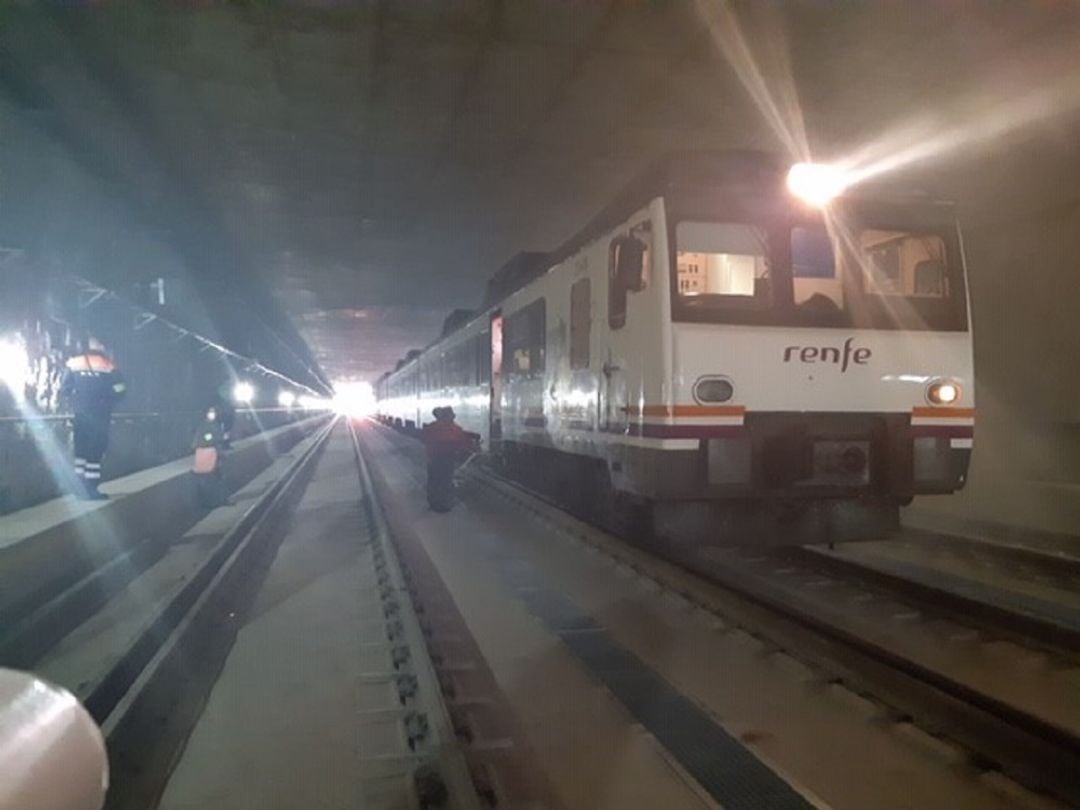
<point>483,358</point>
<point>628,270</point>
<point>524,340</point>
<point>580,323</point>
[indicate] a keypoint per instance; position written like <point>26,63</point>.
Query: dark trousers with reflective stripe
<point>91,442</point>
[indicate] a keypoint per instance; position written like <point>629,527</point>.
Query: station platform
<point>49,547</point>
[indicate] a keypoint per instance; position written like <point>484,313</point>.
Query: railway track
<point>999,684</point>
<point>1017,616</point>
<point>140,639</point>
<point>143,639</point>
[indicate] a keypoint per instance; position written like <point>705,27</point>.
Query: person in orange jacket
<point>209,445</point>
<point>446,444</point>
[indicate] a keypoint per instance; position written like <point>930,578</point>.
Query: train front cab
<point>821,374</point>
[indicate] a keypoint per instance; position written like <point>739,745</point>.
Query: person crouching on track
<point>209,443</point>
<point>92,385</point>
<point>446,442</point>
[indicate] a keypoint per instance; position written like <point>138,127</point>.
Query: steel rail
<point>1060,638</point>
<point>1057,560</point>
<point>453,765</point>
<point>151,697</point>
<point>1035,752</point>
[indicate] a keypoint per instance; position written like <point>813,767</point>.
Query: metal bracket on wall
<point>88,297</point>
<point>143,318</point>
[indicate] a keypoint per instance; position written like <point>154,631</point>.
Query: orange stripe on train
<point>686,410</point>
<point>943,413</point>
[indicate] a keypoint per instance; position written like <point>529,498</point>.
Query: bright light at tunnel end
<point>354,398</point>
<point>817,183</point>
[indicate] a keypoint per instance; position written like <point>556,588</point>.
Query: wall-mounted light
<point>14,365</point>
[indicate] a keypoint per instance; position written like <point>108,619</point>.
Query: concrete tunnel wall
<point>65,222</point>
<point>170,382</point>
<point>1024,272</point>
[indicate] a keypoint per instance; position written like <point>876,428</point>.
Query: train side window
<point>903,263</point>
<point>463,370</point>
<point>450,367</point>
<point>722,259</point>
<point>524,338</point>
<point>628,270</point>
<point>580,323</point>
<point>817,286</point>
<point>930,279</point>
<point>483,358</point>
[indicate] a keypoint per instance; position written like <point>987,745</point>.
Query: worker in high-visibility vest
<point>92,386</point>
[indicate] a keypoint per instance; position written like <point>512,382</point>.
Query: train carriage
<point>719,358</point>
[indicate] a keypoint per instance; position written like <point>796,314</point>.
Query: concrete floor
<point>838,748</point>
<point>283,729</point>
<point>279,730</point>
<point>595,754</point>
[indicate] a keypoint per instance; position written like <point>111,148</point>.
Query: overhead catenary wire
<point>96,293</point>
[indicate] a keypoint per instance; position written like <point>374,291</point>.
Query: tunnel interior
<point>314,186</point>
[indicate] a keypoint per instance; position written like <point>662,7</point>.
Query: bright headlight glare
<point>943,393</point>
<point>817,183</point>
<point>244,392</point>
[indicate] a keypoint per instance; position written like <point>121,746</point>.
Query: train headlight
<point>817,183</point>
<point>943,392</point>
<point>713,389</point>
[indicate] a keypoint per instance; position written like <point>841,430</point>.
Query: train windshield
<point>806,275</point>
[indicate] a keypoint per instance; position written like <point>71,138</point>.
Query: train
<point>715,360</point>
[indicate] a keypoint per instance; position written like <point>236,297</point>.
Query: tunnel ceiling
<point>371,164</point>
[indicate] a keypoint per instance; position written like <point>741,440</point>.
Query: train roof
<point>674,170</point>
<point>690,170</point>
<point>512,276</point>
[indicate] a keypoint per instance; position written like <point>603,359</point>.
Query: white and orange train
<point>718,357</point>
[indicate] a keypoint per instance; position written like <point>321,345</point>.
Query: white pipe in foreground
<point>52,755</point>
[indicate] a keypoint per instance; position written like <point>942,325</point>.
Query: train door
<point>628,264</point>
<point>613,396</point>
<point>495,406</point>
